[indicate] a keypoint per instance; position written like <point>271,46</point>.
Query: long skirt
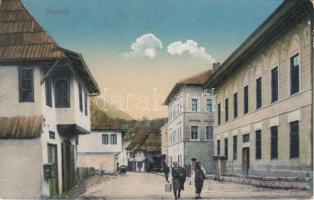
<point>198,186</point>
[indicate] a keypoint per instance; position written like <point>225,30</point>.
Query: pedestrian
<point>166,170</point>
<point>178,179</point>
<point>199,179</point>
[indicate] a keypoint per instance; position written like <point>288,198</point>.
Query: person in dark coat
<point>199,179</point>
<point>166,170</point>
<point>178,179</point>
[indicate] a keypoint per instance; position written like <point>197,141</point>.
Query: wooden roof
<point>196,80</point>
<point>21,36</point>
<point>20,127</point>
<point>145,141</point>
<point>23,39</point>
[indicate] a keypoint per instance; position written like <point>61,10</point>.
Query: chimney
<point>216,66</point>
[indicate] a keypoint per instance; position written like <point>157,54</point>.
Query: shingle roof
<point>23,39</point>
<point>197,80</point>
<point>145,141</point>
<point>21,36</point>
<point>20,127</point>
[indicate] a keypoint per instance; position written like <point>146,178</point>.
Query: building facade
<point>190,122</point>
<point>43,107</point>
<point>100,149</point>
<point>264,109</point>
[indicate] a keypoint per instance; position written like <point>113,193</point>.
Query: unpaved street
<point>151,186</point>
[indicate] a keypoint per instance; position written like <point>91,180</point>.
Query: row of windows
<point>105,139</point>
<point>294,88</point>
<point>294,143</point>
<point>61,86</point>
<point>175,136</point>
<point>209,131</point>
<point>195,107</point>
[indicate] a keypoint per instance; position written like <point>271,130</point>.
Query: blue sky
<point>103,30</point>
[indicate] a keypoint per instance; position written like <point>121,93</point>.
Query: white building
<point>101,149</point>
<point>190,122</point>
<point>44,106</point>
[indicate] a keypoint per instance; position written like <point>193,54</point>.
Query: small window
<point>235,105</point>
<point>219,113</point>
<point>246,138</point>
<point>80,90</point>
<point>218,147</point>
<point>294,139</point>
<point>113,138</point>
<point>226,110</point>
<point>194,105</point>
<point>209,105</point>
<point>258,93</point>
<point>258,144</point>
<point>274,142</point>
<point>246,99</point>
<point>274,85</point>
<point>194,132</point>
<point>62,93</point>
<point>105,139</point>
<point>294,74</point>
<point>235,147</point>
<point>226,148</point>
<point>26,85</point>
<point>48,92</point>
<point>209,132</point>
<point>52,135</point>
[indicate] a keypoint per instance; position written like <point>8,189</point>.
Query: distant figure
<point>178,179</point>
<point>199,179</point>
<point>166,170</point>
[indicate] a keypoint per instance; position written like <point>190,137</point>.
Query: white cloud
<point>191,47</point>
<point>146,45</point>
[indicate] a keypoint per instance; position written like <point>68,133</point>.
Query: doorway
<point>53,159</point>
<point>245,160</point>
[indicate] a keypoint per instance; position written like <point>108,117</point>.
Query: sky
<point>138,49</point>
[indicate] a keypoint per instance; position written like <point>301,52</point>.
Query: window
<point>105,139</point>
<point>209,132</point>
<point>26,85</point>
<point>194,105</point>
<point>62,93</point>
<point>226,110</point>
<point>235,105</point>
<point>226,148</point>
<point>48,92</point>
<point>235,147</point>
<point>274,142</point>
<point>294,74</point>
<point>209,105</point>
<point>258,93</point>
<point>294,139</point>
<point>258,144</point>
<point>246,138</point>
<point>194,132</point>
<point>218,147</point>
<point>80,98</point>
<point>85,105</point>
<point>219,114</point>
<point>246,100</point>
<point>52,135</point>
<point>274,84</point>
<point>113,139</point>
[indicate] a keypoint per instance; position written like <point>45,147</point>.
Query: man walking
<point>166,170</point>
<point>178,179</point>
<point>199,179</point>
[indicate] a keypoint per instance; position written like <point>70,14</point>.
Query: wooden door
<point>53,181</point>
<point>245,160</point>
